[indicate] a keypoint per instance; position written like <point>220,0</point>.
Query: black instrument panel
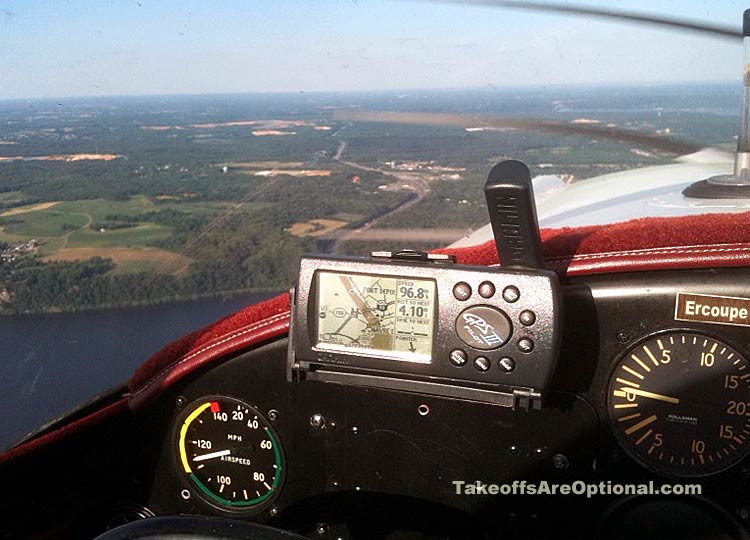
<point>343,443</point>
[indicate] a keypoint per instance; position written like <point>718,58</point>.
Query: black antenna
<point>737,184</point>
<point>510,201</point>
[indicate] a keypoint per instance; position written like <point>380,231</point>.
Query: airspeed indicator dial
<point>229,453</point>
<point>679,403</point>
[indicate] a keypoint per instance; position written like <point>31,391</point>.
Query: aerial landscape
<point>111,202</point>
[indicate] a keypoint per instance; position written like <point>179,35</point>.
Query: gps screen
<point>385,315</point>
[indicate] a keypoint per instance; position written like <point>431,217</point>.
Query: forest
<point>121,201</point>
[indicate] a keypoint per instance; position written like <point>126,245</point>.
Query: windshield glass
<point>163,164</point>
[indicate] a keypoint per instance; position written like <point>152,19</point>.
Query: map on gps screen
<point>389,316</point>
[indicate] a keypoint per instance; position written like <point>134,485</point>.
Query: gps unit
<point>419,322</point>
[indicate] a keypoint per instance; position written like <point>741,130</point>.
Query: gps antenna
<point>737,184</point>
<point>510,201</point>
<point>742,159</point>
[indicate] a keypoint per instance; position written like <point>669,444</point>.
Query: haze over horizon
<point>86,49</point>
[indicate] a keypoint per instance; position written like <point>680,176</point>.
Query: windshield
<point>163,164</point>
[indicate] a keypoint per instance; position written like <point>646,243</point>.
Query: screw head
<point>273,415</point>
<point>180,401</point>
<point>273,511</point>
<point>560,461</point>
<point>623,336</point>
<point>318,421</point>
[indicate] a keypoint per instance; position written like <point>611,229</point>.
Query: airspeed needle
<point>212,455</point>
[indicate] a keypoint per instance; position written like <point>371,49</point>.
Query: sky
<point>60,48</point>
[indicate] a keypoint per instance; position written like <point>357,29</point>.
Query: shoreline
<point>142,303</point>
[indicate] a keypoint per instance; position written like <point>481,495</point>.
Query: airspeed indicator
<point>229,453</point>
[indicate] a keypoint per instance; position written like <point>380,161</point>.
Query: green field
<point>139,236</point>
<point>69,231</point>
<point>46,223</point>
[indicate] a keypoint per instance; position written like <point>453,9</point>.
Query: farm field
<point>121,201</point>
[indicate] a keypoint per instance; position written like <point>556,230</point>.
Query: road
<point>416,182</point>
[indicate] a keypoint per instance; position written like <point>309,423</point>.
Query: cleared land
<point>304,173</point>
<point>29,208</point>
<point>68,231</point>
<point>128,260</point>
<point>63,157</point>
<point>316,227</point>
<point>262,164</point>
<point>140,235</point>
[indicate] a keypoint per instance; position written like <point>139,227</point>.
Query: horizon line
<point>495,88</point>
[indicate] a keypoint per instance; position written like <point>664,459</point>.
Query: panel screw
<point>623,336</point>
<point>273,415</point>
<point>539,451</point>
<point>318,421</point>
<point>513,450</point>
<point>355,430</point>
<point>560,461</point>
<point>321,529</point>
<point>273,511</point>
<point>335,484</point>
<point>180,402</point>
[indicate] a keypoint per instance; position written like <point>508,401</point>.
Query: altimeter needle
<point>650,395</point>
<point>212,455</point>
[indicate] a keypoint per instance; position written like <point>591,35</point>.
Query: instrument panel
<point>637,397</point>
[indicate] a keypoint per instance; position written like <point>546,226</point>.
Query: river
<point>49,364</point>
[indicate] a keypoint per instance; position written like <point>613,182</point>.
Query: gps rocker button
<point>483,327</point>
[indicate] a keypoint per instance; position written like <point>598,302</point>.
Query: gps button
<point>462,291</point>
<point>483,327</point>
<point>458,357</point>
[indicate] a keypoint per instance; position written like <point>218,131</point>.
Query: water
<point>49,364</point>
